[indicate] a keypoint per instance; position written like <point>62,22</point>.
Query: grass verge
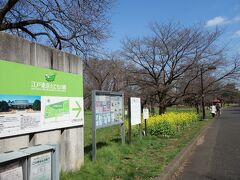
<point>143,159</point>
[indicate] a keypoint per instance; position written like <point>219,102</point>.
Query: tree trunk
<point>152,109</point>
<point>162,109</point>
<point>197,108</point>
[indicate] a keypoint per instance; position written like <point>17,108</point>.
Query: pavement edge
<point>174,165</point>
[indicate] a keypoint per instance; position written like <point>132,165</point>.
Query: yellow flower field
<point>171,123</point>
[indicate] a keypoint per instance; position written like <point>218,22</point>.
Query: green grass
<point>181,109</point>
<point>141,160</point>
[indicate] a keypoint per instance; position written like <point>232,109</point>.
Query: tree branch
<point>8,6</point>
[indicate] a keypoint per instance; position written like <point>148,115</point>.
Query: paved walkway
<point>217,155</point>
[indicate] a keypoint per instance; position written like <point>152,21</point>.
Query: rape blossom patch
<point>171,123</point>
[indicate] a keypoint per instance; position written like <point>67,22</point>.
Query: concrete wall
<point>71,142</point>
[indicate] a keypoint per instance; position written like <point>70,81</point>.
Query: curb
<point>174,165</point>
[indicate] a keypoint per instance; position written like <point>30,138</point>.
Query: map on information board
<point>108,110</point>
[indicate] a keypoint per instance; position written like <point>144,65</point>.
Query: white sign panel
<point>40,167</point>
<point>135,110</point>
<point>109,109</point>
<point>145,113</point>
<point>53,112</point>
<point>15,173</point>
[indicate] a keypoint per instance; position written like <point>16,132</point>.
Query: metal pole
<point>140,130</point>
<point>145,127</point>
<point>202,92</point>
<point>123,133</point>
<point>94,146</point>
<point>129,122</point>
<point>123,119</point>
<point>56,161</point>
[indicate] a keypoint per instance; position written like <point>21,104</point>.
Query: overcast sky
<point>131,18</point>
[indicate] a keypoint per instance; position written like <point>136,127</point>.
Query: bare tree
<point>172,53</point>
<point>193,93</point>
<point>230,93</point>
<point>103,73</point>
<point>214,80</point>
<point>76,25</point>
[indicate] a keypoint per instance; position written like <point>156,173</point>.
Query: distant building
<point>20,104</point>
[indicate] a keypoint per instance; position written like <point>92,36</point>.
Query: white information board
<point>40,167</point>
<point>108,109</point>
<point>135,105</point>
<point>145,113</point>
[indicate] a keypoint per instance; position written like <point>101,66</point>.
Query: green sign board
<point>34,99</point>
<point>29,80</point>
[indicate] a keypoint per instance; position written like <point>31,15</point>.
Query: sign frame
<point>24,155</point>
<point>10,158</point>
<point>94,126</point>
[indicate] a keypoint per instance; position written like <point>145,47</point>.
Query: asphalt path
<point>217,154</point>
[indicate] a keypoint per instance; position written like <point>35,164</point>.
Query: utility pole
<point>202,93</point>
<point>202,89</point>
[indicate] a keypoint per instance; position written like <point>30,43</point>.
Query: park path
<point>217,154</point>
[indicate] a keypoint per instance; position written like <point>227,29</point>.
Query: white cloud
<point>237,33</point>
<point>236,19</point>
<point>219,20</point>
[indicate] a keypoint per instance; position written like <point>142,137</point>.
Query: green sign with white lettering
<point>34,99</point>
<point>29,80</point>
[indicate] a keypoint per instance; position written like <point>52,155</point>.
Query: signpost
<point>134,116</point>
<point>108,110</point>
<point>145,117</point>
<point>36,99</point>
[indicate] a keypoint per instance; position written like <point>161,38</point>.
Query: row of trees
<point>165,68</point>
<point>5,107</point>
